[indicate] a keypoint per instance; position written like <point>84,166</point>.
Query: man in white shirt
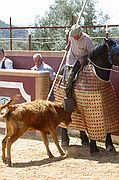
<point>79,45</point>
<point>40,65</point>
<point>5,63</point>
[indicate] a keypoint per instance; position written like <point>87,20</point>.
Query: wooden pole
<point>10,34</point>
<point>65,54</point>
<point>30,39</point>
<point>106,30</point>
<point>78,20</point>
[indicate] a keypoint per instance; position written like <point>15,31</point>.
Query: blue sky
<point>23,12</point>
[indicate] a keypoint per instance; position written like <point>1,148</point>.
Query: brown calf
<point>40,115</point>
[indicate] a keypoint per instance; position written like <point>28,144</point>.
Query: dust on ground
<point>31,162</point>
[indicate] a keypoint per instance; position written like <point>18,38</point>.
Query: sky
<point>24,12</point>
<point>111,8</point>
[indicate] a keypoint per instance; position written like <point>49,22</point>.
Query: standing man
<point>5,63</point>
<point>40,65</point>
<point>79,45</point>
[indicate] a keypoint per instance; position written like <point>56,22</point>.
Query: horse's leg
<point>84,138</point>
<point>93,147</point>
<point>64,137</point>
<point>109,144</point>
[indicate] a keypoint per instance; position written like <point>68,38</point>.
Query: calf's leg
<point>10,141</point>
<point>45,140</point>
<point>3,148</point>
<point>55,139</point>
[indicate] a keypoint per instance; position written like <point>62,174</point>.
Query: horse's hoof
<point>95,154</point>
<point>111,150</point>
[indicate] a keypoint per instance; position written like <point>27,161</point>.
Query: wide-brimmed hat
<point>75,30</point>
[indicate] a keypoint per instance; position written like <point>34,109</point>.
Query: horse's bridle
<point>107,69</point>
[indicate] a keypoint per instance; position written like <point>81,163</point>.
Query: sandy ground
<point>30,161</point>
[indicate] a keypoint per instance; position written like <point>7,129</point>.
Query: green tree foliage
<point>63,13</point>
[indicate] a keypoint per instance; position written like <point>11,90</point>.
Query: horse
<point>101,59</point>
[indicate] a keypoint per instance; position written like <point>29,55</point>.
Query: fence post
<point>10,34</point>
<point>106,30</point>
<point>29,39</point>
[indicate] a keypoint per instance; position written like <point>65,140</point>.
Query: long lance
<point>65,54</point>
<point>81,12</point>
<point>57,75</point>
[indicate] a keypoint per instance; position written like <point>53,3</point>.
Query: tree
<point>63,13</point>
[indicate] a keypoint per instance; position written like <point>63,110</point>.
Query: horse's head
<point>104,56</point>
<point>113,47</point>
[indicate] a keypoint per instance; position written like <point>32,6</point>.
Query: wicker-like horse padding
<point>98,108</point>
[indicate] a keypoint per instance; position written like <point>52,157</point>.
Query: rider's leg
<point>71,79</point>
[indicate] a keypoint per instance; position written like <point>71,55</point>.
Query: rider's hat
<point>75,30</point>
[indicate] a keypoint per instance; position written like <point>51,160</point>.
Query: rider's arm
<point>68,46</point>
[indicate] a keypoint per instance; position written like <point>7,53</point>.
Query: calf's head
<point>64,117</point>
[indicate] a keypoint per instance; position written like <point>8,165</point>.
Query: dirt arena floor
<point>30,161</point>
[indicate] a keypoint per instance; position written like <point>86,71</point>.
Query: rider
<point>79,45</point>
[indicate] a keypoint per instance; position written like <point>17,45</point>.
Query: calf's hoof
<point>50,155</point>
<point>62,153</point>
<point>8,162</point>
<point>4,160</point>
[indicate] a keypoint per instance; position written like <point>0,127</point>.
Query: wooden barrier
<point>24,59</point>
<point>30,84</point>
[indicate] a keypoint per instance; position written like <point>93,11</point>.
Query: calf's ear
<point>14,98</point>
<point>11,101</point>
